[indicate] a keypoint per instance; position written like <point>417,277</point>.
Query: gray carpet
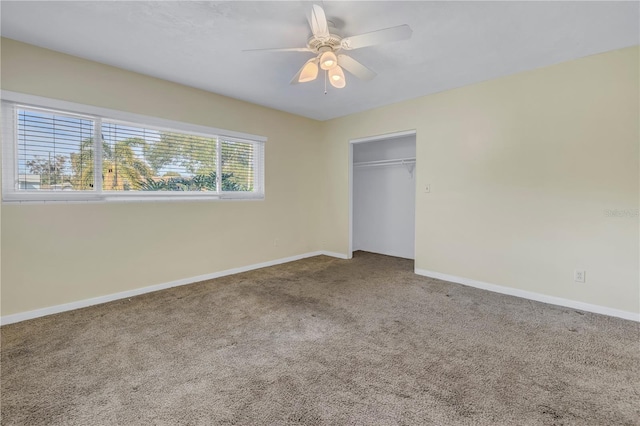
<point>322,341</point>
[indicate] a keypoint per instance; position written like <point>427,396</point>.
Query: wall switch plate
<point>579,276</point>
<point>427,188</point>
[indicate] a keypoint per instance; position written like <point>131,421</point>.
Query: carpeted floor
<point>322,341</point>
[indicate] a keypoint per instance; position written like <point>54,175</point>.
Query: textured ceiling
<point>200,43</point>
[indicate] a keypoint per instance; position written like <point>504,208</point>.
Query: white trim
<point>112,114</point>
<point>350,252</point>
<point>9,132</point>
<point>334,254</point>
<point>23,316</point>
<point>552,300</point>
<point>63,197</point>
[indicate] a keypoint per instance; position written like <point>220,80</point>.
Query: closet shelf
<point>409,163</point>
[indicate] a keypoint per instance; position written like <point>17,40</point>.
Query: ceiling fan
<point>326,46</point>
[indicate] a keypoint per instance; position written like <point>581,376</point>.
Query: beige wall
<point>522,170</point>
<point>57,253</point>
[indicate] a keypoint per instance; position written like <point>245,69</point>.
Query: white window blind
<point>54,151</point>
<point>53,155</point>
<point>240,164</point>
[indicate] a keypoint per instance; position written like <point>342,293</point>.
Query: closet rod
<point>397,161</point>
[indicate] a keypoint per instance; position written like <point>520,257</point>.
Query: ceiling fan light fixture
<point>328,60</point>
<point>336,77</point>
<point>309,72</point>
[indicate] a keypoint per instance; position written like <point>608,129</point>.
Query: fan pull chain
<point>325,82</point>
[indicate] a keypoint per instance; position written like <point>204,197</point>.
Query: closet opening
<point>382,194</point>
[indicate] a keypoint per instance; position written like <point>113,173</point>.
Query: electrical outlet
<point>579,276</point>
<point>427,188</point>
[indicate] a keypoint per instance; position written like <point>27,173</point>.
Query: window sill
<point>124,198</point>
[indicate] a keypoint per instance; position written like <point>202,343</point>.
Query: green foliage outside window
<point>123,168</point>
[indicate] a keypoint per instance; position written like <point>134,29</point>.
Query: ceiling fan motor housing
<point>319,45</point>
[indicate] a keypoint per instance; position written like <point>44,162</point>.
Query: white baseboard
<point>36,313</point>
<point>334,254</point>
<point>531,295</point>
<point>23,316</point>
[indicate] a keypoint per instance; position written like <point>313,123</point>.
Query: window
<point>52,154</point>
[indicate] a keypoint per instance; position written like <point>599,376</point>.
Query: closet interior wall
<point>384,196</point>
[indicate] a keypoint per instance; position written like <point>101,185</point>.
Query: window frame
<point>11,101</point>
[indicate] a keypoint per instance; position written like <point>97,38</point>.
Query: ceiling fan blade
<point>307,72</point>
<point>284,49</point>
<point>401,32</point>
<point>295,79</point>
<point>318,23</point>
<point>355,68</point>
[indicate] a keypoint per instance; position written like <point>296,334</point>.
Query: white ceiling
<point>200,43</point>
